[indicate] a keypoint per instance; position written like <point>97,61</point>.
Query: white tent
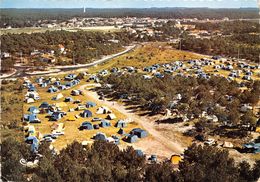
<point>75,92</point>
<point>59,96</point>
<point>29,100</point>
<point>85,142</point>
<point>228,145</point>
<point>111,116</point>
<point>110,140</point>
<point>103,110</point>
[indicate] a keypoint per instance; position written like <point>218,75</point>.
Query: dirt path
<point>157,144</point>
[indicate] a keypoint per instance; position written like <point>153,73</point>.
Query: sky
<point>126,3</point>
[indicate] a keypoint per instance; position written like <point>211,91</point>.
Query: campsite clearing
<point>161,145</point>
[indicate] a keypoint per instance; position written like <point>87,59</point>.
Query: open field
<point>30,30</point>
<point>146,55</point>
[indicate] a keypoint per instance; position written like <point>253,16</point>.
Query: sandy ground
<point>157,143</point>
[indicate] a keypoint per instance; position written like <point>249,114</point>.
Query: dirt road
<point>157,143</point>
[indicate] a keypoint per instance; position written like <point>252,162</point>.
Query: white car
<point>48,139</point>
<point>210,141</point>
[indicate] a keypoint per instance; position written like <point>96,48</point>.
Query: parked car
<point>96,119</point>
<point>47,139</point>
<point>153,158</point>
<point>50,135</point>
<point>58,133</point>
<point>210,141</point>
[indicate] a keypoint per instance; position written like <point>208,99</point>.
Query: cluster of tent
<point>31,96</point>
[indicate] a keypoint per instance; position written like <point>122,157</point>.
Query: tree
<point>160,172</point>
<point>7,64</point>
<point>11,154</point>
<point>247,173</point>
<point>256,171</point>
<point>207,164</point>
<point>249,118</point>
<point>46,171</point>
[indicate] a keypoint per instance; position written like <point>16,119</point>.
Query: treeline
<point>229,27</point>
<point>30,17</point>
<point>198,95</point>
<point>246,45</point>
<point>82,46</point>
<point>106,162</point>
<point>239,36</point>
<point>249,39</point>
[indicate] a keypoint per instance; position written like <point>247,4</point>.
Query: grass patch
<point>147,55</point>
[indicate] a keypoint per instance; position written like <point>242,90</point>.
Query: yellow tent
<point>175,159</point>
<point>71,118</point>
<point>61,104</point>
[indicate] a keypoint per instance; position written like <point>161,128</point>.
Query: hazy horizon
<point>106,4</point>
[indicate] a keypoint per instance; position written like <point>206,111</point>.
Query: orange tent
<point>175,159</point>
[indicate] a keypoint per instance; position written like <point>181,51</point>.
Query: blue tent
<point>216,57</point>
<point>116,139</point>
<point>57,83</point>
<point>44,105</point>
<point>86,126</point>
<point>62,87</point>
<point>253,147</point>
<point>139,132</point>
<point>34,147</point>
<point>75,82</point>
<point>86,114</point>
<point>68,99</point>
<point>38,80</point>
<point>44,84</point>
<point>32,118</point>
<point>100,136</point>
<point>31,139</point>
<point>52,89</point>
<point>32,89</point>
<point>153,158</point>
<point>132,138</point>
<point>48,81</point>
<point>121,124</point>
<point>139,153</point>
<point>56,116</point>
<point>114,70</point>
<point>26,116</point>
<point>70,77</point>
<point>33,109</point>
<point>121,131</point>
<point>69,84</point>
<point>90,104</point>
<point>105,123</point>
